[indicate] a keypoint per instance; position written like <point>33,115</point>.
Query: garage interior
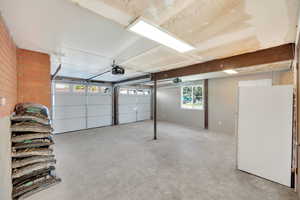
<point>161,100</point>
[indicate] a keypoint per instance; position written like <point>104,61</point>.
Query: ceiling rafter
<point>265,56</point>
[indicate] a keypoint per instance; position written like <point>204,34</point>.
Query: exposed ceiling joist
<point>270,55</point>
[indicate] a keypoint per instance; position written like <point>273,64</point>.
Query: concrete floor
<point>124,163</point>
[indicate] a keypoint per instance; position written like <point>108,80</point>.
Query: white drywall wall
<point>222,102</point>
<point>5,159</point>
<point>168,104</point>
<point>222,98</point>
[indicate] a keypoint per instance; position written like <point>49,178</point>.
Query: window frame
<point>147,92</point>
<point>79,91</point>
<point>192,107</point>
<point>131,92</point>
<point>58,87</point>
<point>91,91</point>
<point>140,92</point>
<point>123,91</point>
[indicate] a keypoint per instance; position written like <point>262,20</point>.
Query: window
<point>123,91</point>
<point>98,89</point>
<point>140,92</point>
<point>192,97</point>
<point>94,89</point>
<point>62,87</point>
<point>147,92</point>
<point>131,92</point>
<point>79,88</point>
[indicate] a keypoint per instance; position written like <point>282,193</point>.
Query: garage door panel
<point>69,99</point>
<point>80,106</point>
<point>65,125</point>
<point>61,112</point>
<point>99,121</point>
<point>127,99</point>
<point>99,99</point>
<point>123,109</point>
<point>127,118</point>
<point>134,106</point>
<point>143,116</point>
<point>144,100</point>
<point>99,110</point>
<point>143,108</point>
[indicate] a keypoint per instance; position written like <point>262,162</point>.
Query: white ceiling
<point>86,35</point>
<point>85,43</point>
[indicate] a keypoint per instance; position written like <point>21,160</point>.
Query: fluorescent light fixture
<point>230,71</point>
<point>155,33</point>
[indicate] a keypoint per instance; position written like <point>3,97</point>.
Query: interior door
<point>265,132</point>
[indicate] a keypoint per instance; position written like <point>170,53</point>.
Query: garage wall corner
<point>8,90</point>
<point>169,109</point>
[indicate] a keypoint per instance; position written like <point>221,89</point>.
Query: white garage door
<point>134,105</point>
<point>78,106</point>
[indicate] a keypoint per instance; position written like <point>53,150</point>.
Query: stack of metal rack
<point>32,156</point>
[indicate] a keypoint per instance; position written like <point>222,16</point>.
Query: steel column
<point>155,109</point>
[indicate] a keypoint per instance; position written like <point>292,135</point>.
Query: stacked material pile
<point>32,156</point>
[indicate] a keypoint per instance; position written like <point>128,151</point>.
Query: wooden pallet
<point>22,118</point>
<point>30,127</point>
<point>39,185</point>
<point>17,163</point>
<point>44,142</point>
<point>28,177</point>
<point>17,173</point>
<point>29,136</point>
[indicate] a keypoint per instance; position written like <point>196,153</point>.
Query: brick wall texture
<point>24,74</point>
<point>34,80</point>
<point>8,70</point>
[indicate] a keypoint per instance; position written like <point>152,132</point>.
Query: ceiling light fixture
<point>155,33</point>
<point>230,71</point>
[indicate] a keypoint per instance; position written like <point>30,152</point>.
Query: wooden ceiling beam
<point>265,56</point>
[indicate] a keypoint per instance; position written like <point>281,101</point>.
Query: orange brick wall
<point>8,70</point>
<point>34,81</point>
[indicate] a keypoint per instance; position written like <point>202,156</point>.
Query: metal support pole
<point>155,109</point>
<point>115,94</point>
<point>206,104</point>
